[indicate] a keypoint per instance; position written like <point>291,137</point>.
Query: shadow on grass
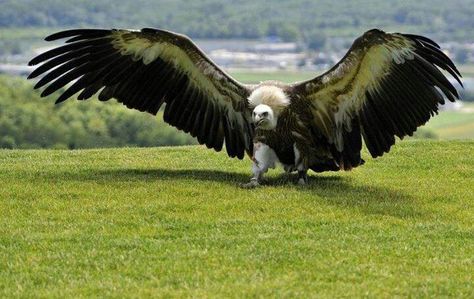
<point>157,174</point>
<point>344,192</point>
<point>369,199</point>
<point>334,190</point>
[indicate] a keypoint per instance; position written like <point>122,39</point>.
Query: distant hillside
<point>290,20</point>
<point>27,121</point>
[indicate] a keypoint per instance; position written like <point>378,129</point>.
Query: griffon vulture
<point>387,85</point>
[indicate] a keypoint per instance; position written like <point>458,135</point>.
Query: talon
<point>288,168</point>
<point>302,178</point>
<point>252,184</point>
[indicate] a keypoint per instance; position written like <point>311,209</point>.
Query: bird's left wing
<point>386,85</point>
<point>144,69</point>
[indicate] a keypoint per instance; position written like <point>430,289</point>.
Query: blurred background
<point>287,40</point>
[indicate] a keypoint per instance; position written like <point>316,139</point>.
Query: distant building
<point>13,69</point>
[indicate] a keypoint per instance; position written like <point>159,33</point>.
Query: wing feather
<point>387,85</point>
<point>146,69</point>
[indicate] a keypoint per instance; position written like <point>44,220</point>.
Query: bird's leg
<point>302,177</point>
<point>264,157</point>
<point>257,175</point>
<point>301,163</point>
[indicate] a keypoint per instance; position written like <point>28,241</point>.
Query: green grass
<point>453,125</point>
<point>284,76</point>
<point>172,222</point>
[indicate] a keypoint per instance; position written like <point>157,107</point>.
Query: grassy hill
<point>454,124</point>
<point>173,222</point>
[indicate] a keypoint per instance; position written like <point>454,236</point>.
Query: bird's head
<point>267,102</point>
<point>264,118</point>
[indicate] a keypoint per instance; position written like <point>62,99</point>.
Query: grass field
<point>454,124</point>
<point>284,76</point>
<point>172,222</point>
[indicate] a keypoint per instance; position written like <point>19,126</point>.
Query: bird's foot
<point>289,168</point>
<point>252,184</point>
<point>302,178</point>
<point>302,182</point>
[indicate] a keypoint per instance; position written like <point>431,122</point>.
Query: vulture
<point>387,85</point>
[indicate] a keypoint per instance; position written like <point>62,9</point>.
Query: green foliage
<point>454,124</point>
<point>315,40</point>
<point>27,121</point>
<point>462,55</point>
<point>446,20</point>
<point>286,31</point>
<point>425,133</point>
<point>173,223</point>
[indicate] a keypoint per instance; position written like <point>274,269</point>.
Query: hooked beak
<point>259,122</point>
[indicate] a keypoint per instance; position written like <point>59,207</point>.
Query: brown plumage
<point>387,85</point>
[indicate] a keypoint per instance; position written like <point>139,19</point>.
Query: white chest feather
<point>264,157</point>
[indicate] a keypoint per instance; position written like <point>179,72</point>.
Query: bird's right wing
<point>144,69</point>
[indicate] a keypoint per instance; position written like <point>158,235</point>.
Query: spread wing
<point>386,85</point>
<point>145,69</point>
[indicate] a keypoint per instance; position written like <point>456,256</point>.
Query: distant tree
<point>247,18</point>
<point>26,121</point>
<point>462,55</point>
<point>400,15</point>
<point>424,133</point>
<point>7,142</point>
<point>316,40</point>
<point>288,33</point>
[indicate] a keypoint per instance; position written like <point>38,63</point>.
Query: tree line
<point>28,121</point>
<point>289,20</point>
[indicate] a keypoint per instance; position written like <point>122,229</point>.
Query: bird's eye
<point>265,114</point>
